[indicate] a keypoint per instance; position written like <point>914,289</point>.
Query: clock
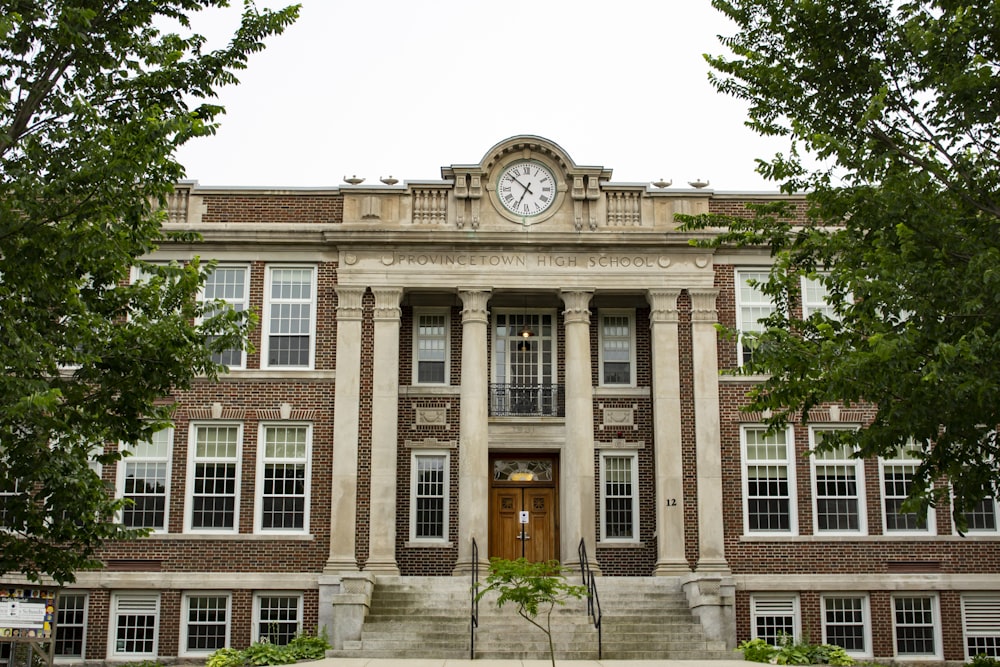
<point>526,188</point>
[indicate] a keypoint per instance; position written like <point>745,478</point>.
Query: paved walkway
<point>452,662</point>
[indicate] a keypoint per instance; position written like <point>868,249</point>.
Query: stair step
<point>429,617</point>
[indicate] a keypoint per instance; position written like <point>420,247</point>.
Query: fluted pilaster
<point>668,460</point>
<point>708,435</point>
<point>385,411</point>
<point>347,398</point>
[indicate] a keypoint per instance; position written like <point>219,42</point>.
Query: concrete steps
<point>429,617</point>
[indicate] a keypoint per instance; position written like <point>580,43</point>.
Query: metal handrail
<point>520,399</point>
<point>593,599</point>
<point>474,620</point>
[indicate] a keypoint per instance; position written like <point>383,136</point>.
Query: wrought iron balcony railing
<point>527,400</point>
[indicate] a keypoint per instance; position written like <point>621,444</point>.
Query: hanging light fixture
<point>526,331</point>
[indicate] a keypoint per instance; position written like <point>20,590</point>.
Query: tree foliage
<point>97,97</point>
<point>531,587</point>
<point>895,104</point>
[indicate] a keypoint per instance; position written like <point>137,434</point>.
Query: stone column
<point>668,460</point>
<point>708,437</point>
<point>473,454</point>
<point>576,485</point>
<point>385,414</point>
<point>347,398</point>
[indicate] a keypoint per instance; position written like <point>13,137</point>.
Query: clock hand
<point>526,191</point>
<point>527,188</point>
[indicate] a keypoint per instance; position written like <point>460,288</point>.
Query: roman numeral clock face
<point>526,188</point>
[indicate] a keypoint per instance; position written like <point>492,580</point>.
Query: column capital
<point>703,304</point>
<point>474,300</point>
<point>349,302</point>
<point>387,300</point>
<point>577,303</point>
<point>663,305</point>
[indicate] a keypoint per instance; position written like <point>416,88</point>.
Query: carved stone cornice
<point>349,302</point>
<point>577,305</point>
<point>387,300</point>
<point>663,305</point>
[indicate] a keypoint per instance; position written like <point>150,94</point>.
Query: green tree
<point>896,106</point>
<point>531,587</point>
<point>97,97</point>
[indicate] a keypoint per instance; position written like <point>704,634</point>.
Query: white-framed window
<point>981,624</point>
<point>214,477</point>
<point>838,482</point>
<point>204,622</point>
<point>752,305</point>
<point>846,623</point>
<point>617,345</point>
<point>768,481</point>
<point>283,476</point>
<point>775,616</point>
<point>429,481</point>
<point>135,619</point>
<point>916,626</point>
<point>144,479</point>
<point>431,331</point>
<point>814,295</point>
<point>289,322</point>
<point>231,284</point>
<point>71,626</point>
<point>982,518</point>
<point>8,491</point>
<point>897,480</point>
<point>619,497</point>
<point>277,617</point>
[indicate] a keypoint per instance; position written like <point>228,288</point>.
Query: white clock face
<point>526,188</point>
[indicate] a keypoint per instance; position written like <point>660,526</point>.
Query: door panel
<point>540,539</point>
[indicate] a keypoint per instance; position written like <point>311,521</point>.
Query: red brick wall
<point>267,207</point>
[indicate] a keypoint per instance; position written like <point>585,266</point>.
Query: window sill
<point>428,545</point>
<point>620,545</point>
<point>615,390</point>
<point>275,373</point>
<point>908,537</point>
<point>232,537</point>
<point>429,390</point>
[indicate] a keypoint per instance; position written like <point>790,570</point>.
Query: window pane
<point>71,625</point>
<point>616,349</point>
<point>914,625</point>
<point>213,500</point>
<point>278,619</point>
<point>983,516</point>
<point>773,619</point>
<point>290,317</point>
<point>619,497</point>
<point>206,623</point>
<point>283,496</point>
<point>430,494</point>
<point>229,284</point>
<point>837,498</point>
<point>844,619</point>
<point>897,482</point>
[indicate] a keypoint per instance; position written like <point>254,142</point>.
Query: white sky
<point>404,87</point>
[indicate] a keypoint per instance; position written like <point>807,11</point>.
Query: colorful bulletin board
<point>27,613</point>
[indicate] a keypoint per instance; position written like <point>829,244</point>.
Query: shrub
<point>791,652</point>
<point>303,647</point>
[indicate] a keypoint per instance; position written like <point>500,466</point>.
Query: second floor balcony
<point>527,400</point>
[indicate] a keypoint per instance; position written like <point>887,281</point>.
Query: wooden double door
<point>524,508</point>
